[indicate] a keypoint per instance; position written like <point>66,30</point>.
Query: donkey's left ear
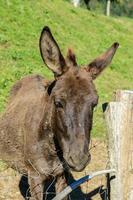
<point>100,63</point>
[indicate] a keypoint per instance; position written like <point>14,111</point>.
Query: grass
<point>89,34</point>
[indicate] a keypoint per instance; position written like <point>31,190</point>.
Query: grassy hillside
<point>87,33</point>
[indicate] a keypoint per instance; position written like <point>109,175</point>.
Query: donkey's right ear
<point>51,53</point>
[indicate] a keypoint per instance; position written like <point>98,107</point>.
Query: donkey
<point>46,126</point>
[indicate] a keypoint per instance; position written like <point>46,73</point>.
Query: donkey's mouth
<point>78,167</point>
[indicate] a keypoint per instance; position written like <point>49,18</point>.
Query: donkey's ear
<point>100,63</point>
<point>51,53</point>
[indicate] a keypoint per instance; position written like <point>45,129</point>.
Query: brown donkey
<point>44,118</point>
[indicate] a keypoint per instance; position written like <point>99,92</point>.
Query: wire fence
<point>94,189</point>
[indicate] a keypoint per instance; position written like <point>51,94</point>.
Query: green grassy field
<point>89,34</point>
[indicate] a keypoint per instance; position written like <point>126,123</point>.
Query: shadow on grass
<point>77,194</point>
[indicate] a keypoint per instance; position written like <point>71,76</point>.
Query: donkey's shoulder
<point>29,83</point>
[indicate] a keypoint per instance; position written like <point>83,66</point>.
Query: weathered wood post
<point>119,119</point>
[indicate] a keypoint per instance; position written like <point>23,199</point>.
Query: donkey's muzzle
<point>79,163</point>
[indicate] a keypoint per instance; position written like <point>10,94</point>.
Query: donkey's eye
<point>58,104</point>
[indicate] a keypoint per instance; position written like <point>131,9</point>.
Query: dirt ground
<point>94,189</point>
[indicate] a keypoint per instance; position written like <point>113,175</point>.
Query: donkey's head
<point>73,97</point>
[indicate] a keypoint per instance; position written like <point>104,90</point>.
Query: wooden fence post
<point>119,119</point>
